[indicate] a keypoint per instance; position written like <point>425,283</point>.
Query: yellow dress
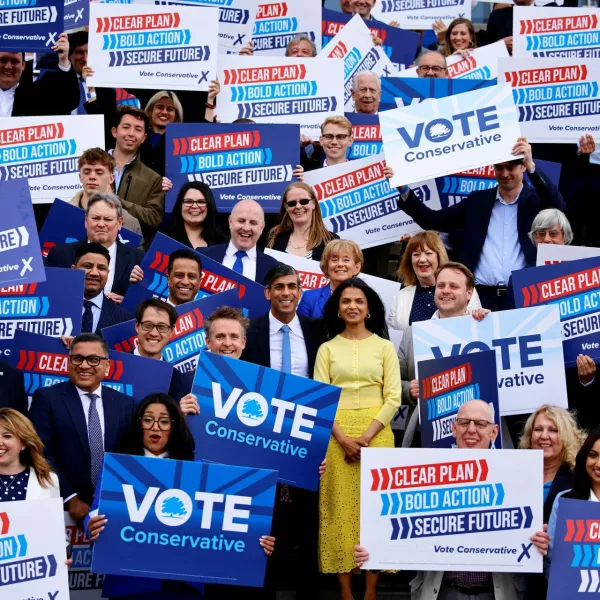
<point>369,375</point>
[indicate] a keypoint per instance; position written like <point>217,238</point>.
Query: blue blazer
<point>264,262</point>
<point>12,388</point>
<point>57,415</point>
<point>181,384</point>
<point>313,302</point>
<point>111,314</point>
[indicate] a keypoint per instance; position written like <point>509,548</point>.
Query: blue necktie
<point>286,350</point>
<point>87,320</point>
<point>95,438</point>
<point>238,265</point>
<point>82,98</point>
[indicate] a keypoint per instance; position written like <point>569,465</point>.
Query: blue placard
<point>404,91</point>
<point>66,223</point>
<point>77,14</point>
<point>445,385</point>
<point>31,25</point>
<point>575,565</point>
<point>400,45</point>
<point>236,161</point>
<point>367,135</point>
<point>44,362</point>
<point>574,287</point>
<point>188,337</point>
<point>215,279</point>
<point>51,308</point>
<point>262,418</point>
<point>20,258</point>
<point>184,520</point>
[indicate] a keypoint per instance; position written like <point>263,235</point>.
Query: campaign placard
<point>31,25</point>
<point>65,223</point>
<point>44,361</point>
<point>278,22</point>
<point>558,99</point>
<point>354,44</point>
<point>266,89</point>
<point>215,278</point>
<point>465,510</point>
<point>420,14</point>
<point>556,32</point>
<point>262,418</point>
<point>153,47</point>
<point>32,537</point>
<point>397,92</point>
<point>188,337</point>
<point>77,15</point>
<point>366,135</point>
<point>574,570</point>
<point>52,307</point>
<point>184,520</point>
<point>480,65</point>
<point>529,352</point>
<point>548,254</point>
<point>478,128</point>
<point>20,256</point>
<point>238,162</point>
<point>445,384</point>
<point>45,150</point>
<point>358,203</point>
<point>574,287</point>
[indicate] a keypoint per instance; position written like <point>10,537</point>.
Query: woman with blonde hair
<point>424,253</point>
<point>24,472</point>
<point>301,230</point>
<point>341,260</point>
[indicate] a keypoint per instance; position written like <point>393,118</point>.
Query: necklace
<point>298,247</point>
<point>7,485</point>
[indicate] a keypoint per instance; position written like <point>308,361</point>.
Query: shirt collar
<point>231,250</point>
<point>97,300</point>
<point>150,455</point>
<point>499,197</point>
<point>436,315</point>
<point>112,151</point>
<point>10,90</point>
<point>275,324</point>
<point>136,351</point>
<point>82,393</point>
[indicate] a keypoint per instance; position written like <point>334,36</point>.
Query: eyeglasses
<point>302,202</point>
<point>93,361</point>
<point>161,327</point>
<point>340,137</point>
<point>433,69</point>
<point>164,423</point>
<point>479,423</point>
<point>540,234</point>
<point>190,203</point>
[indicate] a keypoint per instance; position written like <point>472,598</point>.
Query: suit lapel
<point>120,268</point>
<point>260,267</point>
<point>105,315</point>
<point>111,419</point>
<point>264,342</point>
<point>72,401</point>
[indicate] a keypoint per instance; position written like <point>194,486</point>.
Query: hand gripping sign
<point>459,510</point>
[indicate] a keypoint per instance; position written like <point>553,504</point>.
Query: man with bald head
<point>366,92</point>
<point>432,64</point>
<point>246,224</point>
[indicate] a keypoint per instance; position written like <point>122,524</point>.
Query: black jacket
<point>111,314</point>
<point>12,388</point>
<point>56,93</point>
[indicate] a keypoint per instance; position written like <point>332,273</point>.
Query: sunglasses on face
<point>303,202</point>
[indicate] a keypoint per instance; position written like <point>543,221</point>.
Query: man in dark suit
<point>98,311</point>
<point>12,388</point>
<point>498,222</point>
<point>154,323</point>
<point>79,420</point>
<point>103,221</point>
<point>246,223</point>
<point>57,93</point>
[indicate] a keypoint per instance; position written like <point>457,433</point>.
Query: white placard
<point>271,89</point>
<point>153,47</point>
<point>278,22</point>
<point>354,44</point>
<point>447,135</point>
<point>34,551</point>
<point>358,204</point>
<point>558,99</point>
<point>458,510</point>
<point>420,14</point>
<point>556,32</point>
<point>45,150</point>
<point>536,3</point>
<point>548,254</point>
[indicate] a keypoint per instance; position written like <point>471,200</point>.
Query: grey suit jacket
<point>406,357</point>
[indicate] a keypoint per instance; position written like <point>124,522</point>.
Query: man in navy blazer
<point>496,223</point>
<point>246,223</point>
<point>103,221</point>
<point>12,388</point>
<point>79,420</point>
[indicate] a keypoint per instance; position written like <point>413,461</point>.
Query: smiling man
<point>225,331</point>
<point>184,274</point>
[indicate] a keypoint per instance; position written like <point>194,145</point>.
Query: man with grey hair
<point>103,221</point>
<point>551,226</point>
<point>432,65</point>
<point>366,92</point>
<point>301,46</point>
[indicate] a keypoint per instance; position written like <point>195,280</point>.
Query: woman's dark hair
<point>211,232</point>
<point>582,484</point>
<point>334,325</point>
<point>181,444</point>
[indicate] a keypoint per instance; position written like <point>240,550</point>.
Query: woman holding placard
<point>459,38</point>
<point>359,358</point>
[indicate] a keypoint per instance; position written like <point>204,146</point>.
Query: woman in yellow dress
<point>359,358</point>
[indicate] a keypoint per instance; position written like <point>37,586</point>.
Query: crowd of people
<point>460,264</point>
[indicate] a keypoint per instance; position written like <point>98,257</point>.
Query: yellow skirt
<point>339,494</point>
